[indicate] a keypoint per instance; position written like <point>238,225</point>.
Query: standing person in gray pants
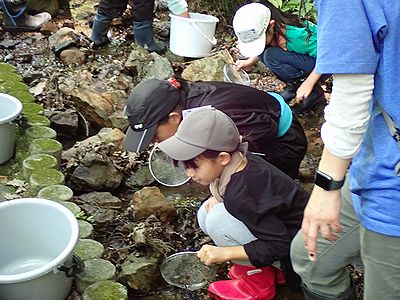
<point>142,21</point>
<point>362,138</point>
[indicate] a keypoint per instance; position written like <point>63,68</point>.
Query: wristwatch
<point>326,182</point>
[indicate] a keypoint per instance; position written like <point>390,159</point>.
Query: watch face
<point>323,181</point>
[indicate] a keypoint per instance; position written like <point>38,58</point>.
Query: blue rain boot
<point>143,32</point>
<point>101,24</point>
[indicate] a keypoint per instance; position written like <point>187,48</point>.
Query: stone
<point>36,132</point>
<point>89,249</point>
<point>75,209</point>
<point>57,193</point>
<point>150,201</point>
<point>65,122</point>
<point>205,69</point>
<point>32,108</point>
<point>47,146</point>
<point>140,273</point>
<point>37,120</point>
<point>73,56</point>
<point>106,290</point>
<point>85,229</point>
<point>36,162</point>
<point>95,270</point>
<point>101,199</point>
<point>142,177</point>
<point>45,177</point>
<point>63,39</point>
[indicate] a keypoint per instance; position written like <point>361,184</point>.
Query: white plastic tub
<point>10,108</point>
<point>194,36</point>
<point>37,237</point>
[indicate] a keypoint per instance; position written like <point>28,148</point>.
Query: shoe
<point>15,19</point>
<point>100,27</point>
<point>237,270</point>
<point>290,90</point>
<point>248,282</point>
<point>143,32</point>
<point>316,96</point>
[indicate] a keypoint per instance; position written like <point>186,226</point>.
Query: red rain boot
<point>251,284</point>
<point>237,270</point>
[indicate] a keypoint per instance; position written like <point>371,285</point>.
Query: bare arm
<point>307,86</point>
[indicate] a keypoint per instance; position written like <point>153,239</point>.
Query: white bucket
<point>10,108</point>
<point>37,238</point>
<point>194,36</point>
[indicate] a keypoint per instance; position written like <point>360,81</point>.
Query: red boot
<point>237,270</point>
<point>252,283</point>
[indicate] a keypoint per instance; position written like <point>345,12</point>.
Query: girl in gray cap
<point>254,212</point>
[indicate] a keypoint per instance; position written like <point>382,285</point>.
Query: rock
<point>148,65</point>
<point>140,273</point>
<point>32,108</point>
<point>106,290</point>
<point>95,270</point>
<point>72,207</point>
<point>63,39</point>
<point>149,201</point>
<point>207,68</point>
<point>45,177</point>
<point>65,122</point>
<point>49,6</point>
<point>48,28</point>
<point>85,229</point>
<point>142,177</point>
<point>37,120</point>
<point>100,215</point>
<point>73,56</point>
<point>38,89</point>
<point>58,193</point>
<point>102,199</point>
<point>89,249</point>
<point>36,132</point>
<point>37,162</point>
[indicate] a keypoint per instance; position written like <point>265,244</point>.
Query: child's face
<point>207,170</point>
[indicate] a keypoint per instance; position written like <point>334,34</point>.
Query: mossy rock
<point>23,96</point>
<point>37,132</point>
<point>32,109</point>
<point>21,153</point>
<point>6,68</point>
<point>45,177</point>
<point>89,249</point>
<point>95,270</point>
<point>106,290</point>
<point>37,120</point>
<point>85,229</point>
<point>37,162</point>
<point>75,209</point>
<point>57,193</point>
<point>48,146</point>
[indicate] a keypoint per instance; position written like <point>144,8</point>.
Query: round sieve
<point>233,76</point>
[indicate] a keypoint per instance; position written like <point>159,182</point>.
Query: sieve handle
<point>212,42</point>
<point>76,267</point>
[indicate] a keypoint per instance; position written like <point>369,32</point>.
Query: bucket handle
<point>76,267</point>
<point>212,42</point>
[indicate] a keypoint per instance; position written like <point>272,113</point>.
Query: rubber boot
<point>316,96</point>
<point>253,284</point>
<point>143,32</point>
<point>237,270</point>
<point>100,27</point>
<point>290,90</point>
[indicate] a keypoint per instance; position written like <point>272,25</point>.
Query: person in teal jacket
<point>286,44</point>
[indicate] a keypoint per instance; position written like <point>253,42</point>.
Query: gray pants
<point>327,277</point>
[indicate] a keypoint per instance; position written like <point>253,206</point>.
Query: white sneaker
<point>37,20</point>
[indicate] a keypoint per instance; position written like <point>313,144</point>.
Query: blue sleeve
<point>345,38</point>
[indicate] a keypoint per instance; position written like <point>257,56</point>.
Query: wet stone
<point>95,270</point>
<point>75,209</point>
<point>58,193</point>
<point>85,229</point>
<point>106,290</point>
<point>37,162</point>
<point>45,177</point>
<point>89,249</point>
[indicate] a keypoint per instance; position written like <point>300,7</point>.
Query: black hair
<point>209,154</point>
<point>284,18</point>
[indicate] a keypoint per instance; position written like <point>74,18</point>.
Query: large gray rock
<point>102,199</point>
<point>205,69</point>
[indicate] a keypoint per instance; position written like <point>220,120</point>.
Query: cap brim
<point>136,141</point>
<point>179,150</point>
<point>253,48</point>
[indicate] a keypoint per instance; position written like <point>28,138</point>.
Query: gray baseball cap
<point>202,129</point>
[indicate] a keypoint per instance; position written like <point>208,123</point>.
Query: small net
<point>234,76</point>
<point>165,170</point>
<point>185,270</point>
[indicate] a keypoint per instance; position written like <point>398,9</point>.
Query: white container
<point>10,108</point>
<point>37,238</point>
<point>194,36</point>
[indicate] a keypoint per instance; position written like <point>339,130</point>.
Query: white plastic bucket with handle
<point>37,237</point>
<point>10,108</point>
<point>194,36</point>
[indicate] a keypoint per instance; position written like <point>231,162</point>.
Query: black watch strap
<point>326,181</point>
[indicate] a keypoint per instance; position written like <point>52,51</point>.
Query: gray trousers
<point>327,276</point>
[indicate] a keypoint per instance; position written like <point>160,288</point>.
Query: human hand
<point>211,255</point>
<point>210,203</point>
<point>245,64</point>
<point>304,91</point>
<point>321,215</point>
